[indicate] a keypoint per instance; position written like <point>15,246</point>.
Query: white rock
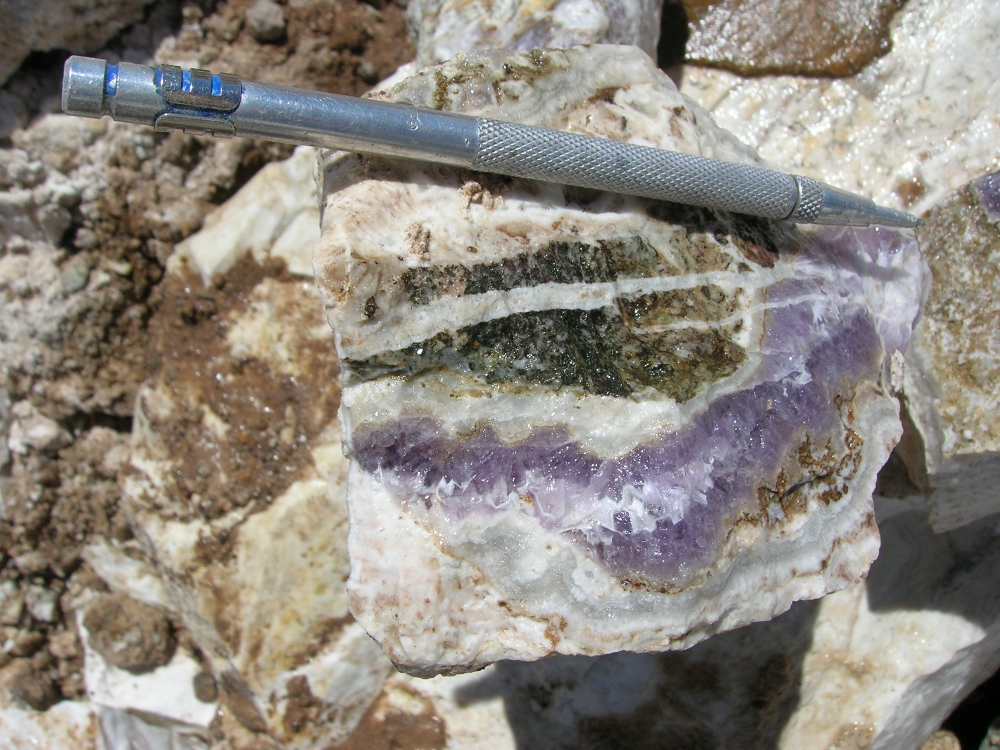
<point>41,602</point>
<point>81,725</point>
<point>31,430</point>
<point>445,28</point>
<point>472,538</point>
<point>878,665</point>
<point>280,198</point>
<point>906,131</point>
<point>70,725</point>
<point>127,575</point>
<point>266,21</point>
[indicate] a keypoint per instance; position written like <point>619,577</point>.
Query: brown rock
<point>797,37</point>
<point>31,563</point>
<point>205,688</point>
<point>27,643</point>
<point>386,726</point>
<point>30,685</point>
<point>64,645</point>
<point>128,634</point>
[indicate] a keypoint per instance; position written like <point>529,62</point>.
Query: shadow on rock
<point>736,690</point>
<point>957,572</point>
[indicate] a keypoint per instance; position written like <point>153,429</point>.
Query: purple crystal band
<point>664,509</point>
<point>989,191</point>
<point>691,480</point>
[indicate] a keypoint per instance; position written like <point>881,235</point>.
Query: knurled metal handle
<point>198,101</point>
<point>568,158</point>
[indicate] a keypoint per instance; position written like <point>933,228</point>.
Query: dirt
<point>344,46</point>
<point>384,727</point>
<point>90,215</point>
<point>272,417</point>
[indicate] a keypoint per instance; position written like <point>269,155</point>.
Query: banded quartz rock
<point>584,423</point>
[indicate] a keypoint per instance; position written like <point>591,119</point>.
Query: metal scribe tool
<point>200,102</point>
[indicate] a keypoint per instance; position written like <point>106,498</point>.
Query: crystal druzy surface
<point>581,422</point>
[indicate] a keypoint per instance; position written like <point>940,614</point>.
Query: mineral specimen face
<point>583,423</point>
<point>952,389</point>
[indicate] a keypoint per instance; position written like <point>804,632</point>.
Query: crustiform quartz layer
<point>584,423</point>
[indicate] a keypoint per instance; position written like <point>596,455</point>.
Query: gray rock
<point>992,739</point>
<point>266,21</point>
<point>13,113</point>
<point>75,273</point>
<point>54,220</point>
<point>80,26</point>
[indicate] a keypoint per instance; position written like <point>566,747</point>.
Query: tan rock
<point>952,443</point>
<point>237,479</point>
<point>802,37</point>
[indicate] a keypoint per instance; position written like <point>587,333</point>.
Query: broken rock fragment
<point>585,423</point>
<point>952,446</point>
<point>802,37</point>
<point>236,480</point>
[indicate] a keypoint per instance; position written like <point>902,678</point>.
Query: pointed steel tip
<point>890,217</point>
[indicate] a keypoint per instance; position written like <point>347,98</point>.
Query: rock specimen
<point>583,423</point>
<point>443,29</point>
<point>878,665</point>
<point>907,130</point>
<point>952,380</point>
<point>236,484</point>
<point>802,37</point>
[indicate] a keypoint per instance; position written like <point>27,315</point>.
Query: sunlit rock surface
<point>583,423</point>
<point>800,37</point>
<point>907,130</point>
<point>445,28</point>
<point>953,381</point>
<point>236,484</point>
<point>879,665</point>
